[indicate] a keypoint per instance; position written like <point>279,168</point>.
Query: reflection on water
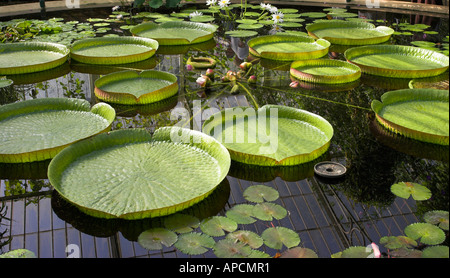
<point>375,159</point>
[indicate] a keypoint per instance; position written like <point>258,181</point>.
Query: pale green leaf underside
<point>155,174</point>
<point>47,129</point>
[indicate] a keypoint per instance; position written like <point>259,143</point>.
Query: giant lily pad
<point>176,32</point>
<point>113,50</point>
<point>420,114</point>
<point>26,57</point>
<point>349,32</point>
<point>130,174</point>
<point>272,136</point>
<point>288,47</point>
<point>397,61</point>
<point>325,71</point>
<point>36,130</point>
<point>130,87</point>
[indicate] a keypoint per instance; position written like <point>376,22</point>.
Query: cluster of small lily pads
<point>222,235</point>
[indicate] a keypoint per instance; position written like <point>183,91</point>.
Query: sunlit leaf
<point>18,253</point>
<point>406,189</point>
<point>260,193</point>
<point>194,243</point>
<point>247,237</point>
<point>154,239</point>
<point>217,225</point>
<point>268,211</point>
<point>230,248</point>
<point>425,232</point>
<point>276,237</point>
<point>241,214</point>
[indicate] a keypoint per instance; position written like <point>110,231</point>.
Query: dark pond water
<point>329,215</point>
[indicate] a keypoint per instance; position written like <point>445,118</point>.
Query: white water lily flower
<point>224,3</point>
<point>275,29</point>
<point>265,6</point>
<point>273,9</point>
<point>115,8</point>
<point>196,13</point>
<point>211,2</point>
<point>277,17</point>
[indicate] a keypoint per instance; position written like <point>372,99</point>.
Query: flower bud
<point>204,81</point>
<point>210,73</point>
<point>252,79</point>
<point>245,66</point>
<point>294,84</point>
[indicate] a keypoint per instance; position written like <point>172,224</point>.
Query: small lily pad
<point>241,33</point>
<point>18,253</point>
<point>260,193</point>
<point>194,243</point>
<point>4,82</point>
<point>396,242</point>
<point>217,225</point>
<point>181,223</point>
<point>437,217</point>
<point>247,237</point>
<point>154,239</point>
<point>354,252</point>
<point>426,232</point>
<point>230,248</point>
<point>241,214</point>
<point>299,252</point>
<point>268,211</point>
<point>250,26</point>
<point>439,251</point>
<point>406,189</point>
<point>276,237</point>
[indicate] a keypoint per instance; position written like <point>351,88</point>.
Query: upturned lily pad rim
<point>353,74</point>
<point>131,99</point>
<point>211,28</point>
<point>441,60</point>
<point>405,95</point>
<point>201,62</point>
<point>292,56</point>
<point>51,104</point>
<point>283,112</point>
<point>385,32</point>
<point>150,44</point>
<point>124,137</point>
<point>34,46</point>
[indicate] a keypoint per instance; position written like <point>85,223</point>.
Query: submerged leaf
<point>439,251</point>
<point>354,252</point>
<point>181,223</point>
<point>425,232</point>
<point>406,189</point>
<point>395,242</point>
<point>437,217</point>
<point>217,225</point>
<point>260,193</point>
<point>194,243</point>
<point>276,237</point>
<point>299,252</point>
<point>155,238</point>
<point>247,237</point>
<point>230,248</point>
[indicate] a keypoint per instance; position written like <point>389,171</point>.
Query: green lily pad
<point>176,33</point>
<point>426,233</point>
<point>420,114</point>
<point>250,26</point>
<point>241,33</point>
<point>5,82</point>
<point>202,18</point>
<point>130,174</point>
<point>27,57</point>
<point>260,193</point>
<point>217,225</point>
<point>349,32</point>
<point>314,14</point>
<point>437,217</point>
<point>325,71</point>
<point>154,239</point>
<point>230,248</point>
<point>406,189</point>
<point>277,237</point>
<point>299,252</point>
<point>18,253</point>
<point>268,211</point>
<point>439,251</point>
<point>241,214</point>
<point>132,88</point>
<point>354,252</point>
<point>288,48</point>
<point>246,237</point>
<point>194,243</point>
<point>113,50</point>
<point>296,137</point>
<point>38,129</point>
<point>397,61</point>
<point>396,242</point>
<point>181,223</point>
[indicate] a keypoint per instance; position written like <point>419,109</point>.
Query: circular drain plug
<point>329,169</point>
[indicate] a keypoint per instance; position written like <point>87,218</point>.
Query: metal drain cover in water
<point>329,169</point>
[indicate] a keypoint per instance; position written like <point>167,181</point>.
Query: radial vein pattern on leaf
<point>48,129</point>
<point>142,176</point>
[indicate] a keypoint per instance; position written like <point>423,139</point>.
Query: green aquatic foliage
<point>439,251</point>
<point>354,252</point>
<point>397,242</point>
<point>18,253</point>
<point>5,82</point>
<point>268,211</point>
<point>242,214</point>
<point>249,238</point>
<point>217,226</point>
<point>426,233</point>
<point>299,252</point>
<point>230,248</point>
<point>325,71</point>
<point>181,223</point>
<point>407,189</point>
<point>260,193</point>
<point>277,237</point>
<point>155,238</point>
<point>194,243</point>
<point>437,217</point>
